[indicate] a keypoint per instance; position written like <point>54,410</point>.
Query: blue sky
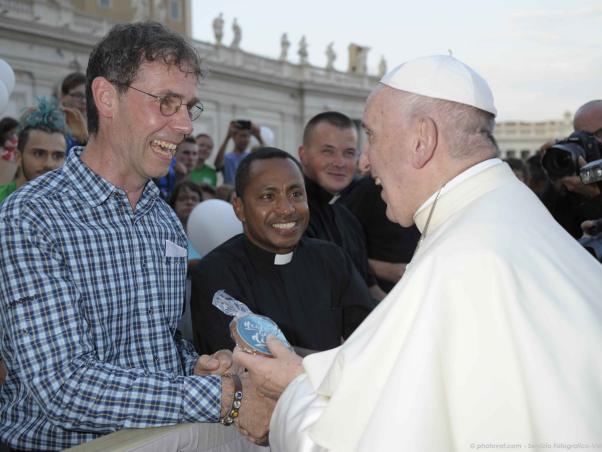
<point>541,58</point>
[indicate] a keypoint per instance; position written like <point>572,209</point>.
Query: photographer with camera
<point>574,166</point>
<point>240,131</point>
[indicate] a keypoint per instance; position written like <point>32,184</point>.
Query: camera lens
<point>559,163</point>
<point>563,162</point>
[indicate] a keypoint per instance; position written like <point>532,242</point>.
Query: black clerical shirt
<point>316,299</point>
<point>335,223</point>
<point>385,240</point>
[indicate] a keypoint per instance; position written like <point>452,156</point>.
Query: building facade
<point>44,40</point>
<point>522,139</point>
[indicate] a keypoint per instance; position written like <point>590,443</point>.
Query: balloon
<point>7,76</point>
<point>3,97</point>
<point>267,135</point>
<point>211,223</point>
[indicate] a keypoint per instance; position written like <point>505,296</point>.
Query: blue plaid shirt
<point>89,302</point>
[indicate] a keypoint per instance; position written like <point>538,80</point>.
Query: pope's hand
<point>219,363</point>
<point>271,375</point>
<point>255,412</point>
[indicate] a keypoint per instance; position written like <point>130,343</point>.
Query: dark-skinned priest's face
<point>273,207</point>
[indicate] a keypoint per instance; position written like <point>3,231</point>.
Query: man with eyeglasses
<point>93,266</point>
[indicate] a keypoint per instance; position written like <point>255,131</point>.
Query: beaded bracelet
<point>228,419</point>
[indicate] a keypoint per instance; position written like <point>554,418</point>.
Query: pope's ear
<point>426,143</point>
<point>105,95</point>
<point>239,208</point>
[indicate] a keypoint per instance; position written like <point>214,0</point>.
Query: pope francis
<point>492,338</point>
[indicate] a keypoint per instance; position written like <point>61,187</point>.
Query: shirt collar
<point>314,191</point>
<point>259,255</point>
<point>95,190</point>
<point>458,191</point>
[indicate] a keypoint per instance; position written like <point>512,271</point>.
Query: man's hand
<point>574,184</point>
<point>232,129</point>
<point>219,363</point>
<point>389,271</point>
<point>271,375</point>
<point>591,227</point>
<point>3,372</point>
<point>255,412</point>
<point>180,169</point>
<point>376,292</point>
<point>256,132</point>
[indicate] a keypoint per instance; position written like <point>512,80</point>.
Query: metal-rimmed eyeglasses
<point>169,104</point>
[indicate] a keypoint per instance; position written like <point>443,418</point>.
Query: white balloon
<point>3,97</point>
<point>7,75</point>
<point>210,224</point>
<point>267,135</point>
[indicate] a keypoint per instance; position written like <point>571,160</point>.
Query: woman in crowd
<point>185,197</point>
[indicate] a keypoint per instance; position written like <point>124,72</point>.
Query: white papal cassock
<point>493,336</point>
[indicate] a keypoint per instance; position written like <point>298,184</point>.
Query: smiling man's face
<point>273,207</point>
<point>330,156</point>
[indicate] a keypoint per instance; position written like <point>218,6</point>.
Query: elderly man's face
<point>330,157</point>
<point>389,153</point>
<point>273,207</point>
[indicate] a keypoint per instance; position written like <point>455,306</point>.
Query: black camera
<point>562,159</point>
<point>243,124</point>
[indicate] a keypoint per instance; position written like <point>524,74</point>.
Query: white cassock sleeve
<point>490,339</point>
<point>296,411</point>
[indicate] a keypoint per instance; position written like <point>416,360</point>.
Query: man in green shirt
<point>41,144</point>
<point>203,173</point>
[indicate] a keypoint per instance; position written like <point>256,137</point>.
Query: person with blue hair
<point>42,144</point>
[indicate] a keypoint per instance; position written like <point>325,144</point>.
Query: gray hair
<point>468,130</point>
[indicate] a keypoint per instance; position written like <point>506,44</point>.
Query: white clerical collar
<point>466,174</point>
<point>283,259</point>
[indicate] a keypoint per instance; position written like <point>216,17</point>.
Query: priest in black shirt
<point>309,287</point>
<point>329,156</point>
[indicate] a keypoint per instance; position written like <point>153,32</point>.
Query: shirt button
<point>24,332</point>
<point>156,359</point>
<point>150,311</point>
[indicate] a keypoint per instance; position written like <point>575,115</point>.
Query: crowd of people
<point>418,314</point>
